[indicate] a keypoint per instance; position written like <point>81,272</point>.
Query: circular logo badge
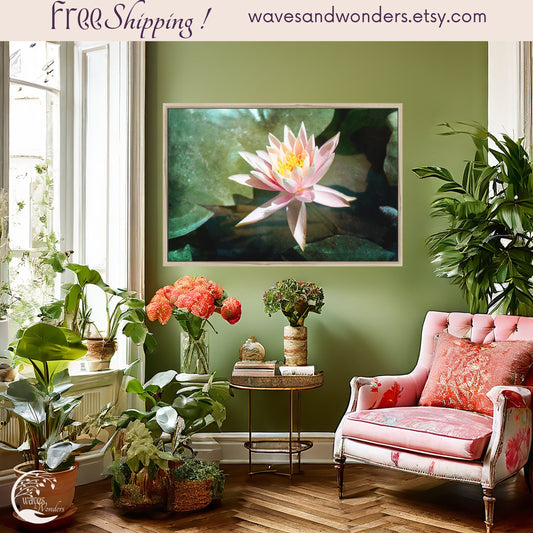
<point>30,497</point>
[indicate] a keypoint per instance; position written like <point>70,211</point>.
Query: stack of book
<point>254,368</point>
<point>297,370</point>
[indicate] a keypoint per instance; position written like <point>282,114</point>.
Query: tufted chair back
<point>479,328</point>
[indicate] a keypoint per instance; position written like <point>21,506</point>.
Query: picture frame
<point>282,184</point>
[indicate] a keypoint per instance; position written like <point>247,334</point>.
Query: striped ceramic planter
<point>295,345</point>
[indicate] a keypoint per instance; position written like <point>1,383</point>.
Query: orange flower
<point>198,295</point>
<point>199,302</point>
<point>184,284</point>
<point>216,290</point>
<point>160,309</point>
<point>169,292</point>
<point>231,310</point>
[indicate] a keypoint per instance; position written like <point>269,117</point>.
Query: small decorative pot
<point>99,353</point>
<point>252,350</point>
<point>295,345</point>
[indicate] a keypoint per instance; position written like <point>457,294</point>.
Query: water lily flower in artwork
<point>292,168</point>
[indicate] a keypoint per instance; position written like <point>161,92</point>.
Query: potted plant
<point>123,310</point>
<point>194,484</point>
<point>138,470</point>
<point>45,412</point>
<point>295,299</point>
<point>486,247</point>
<point>192,301</point>
<point>156,441</point>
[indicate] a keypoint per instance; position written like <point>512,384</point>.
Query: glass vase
<point>194,353</point>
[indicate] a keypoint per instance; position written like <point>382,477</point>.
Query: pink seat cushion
<point>463,372</point>
<point>433,430</point>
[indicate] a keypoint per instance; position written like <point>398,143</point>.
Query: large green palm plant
<point>487,246</point>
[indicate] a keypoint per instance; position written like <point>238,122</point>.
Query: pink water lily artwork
<point>292,169</point>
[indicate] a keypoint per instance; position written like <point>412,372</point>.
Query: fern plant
<point>486,247</point>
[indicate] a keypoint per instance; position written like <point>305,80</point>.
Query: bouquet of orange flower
<point>192,301</point>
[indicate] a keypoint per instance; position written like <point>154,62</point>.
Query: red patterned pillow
<point>463,372</point>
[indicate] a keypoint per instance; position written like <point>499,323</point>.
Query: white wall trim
<point>228,447</point>
<point>509,89</point>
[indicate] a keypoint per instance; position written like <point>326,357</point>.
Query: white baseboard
<point>226,448</point>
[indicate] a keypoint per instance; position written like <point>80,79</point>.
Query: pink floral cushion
<point>434,430</point>
<point>463,372</point>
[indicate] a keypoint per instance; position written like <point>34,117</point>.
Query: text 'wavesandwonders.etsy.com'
<point>377,16</point>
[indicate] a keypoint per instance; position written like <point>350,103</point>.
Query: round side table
<point>293,445</point>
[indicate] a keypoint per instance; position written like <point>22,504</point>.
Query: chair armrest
<point>509,446</point>
<point>381,391</point>
<point>390,391</point>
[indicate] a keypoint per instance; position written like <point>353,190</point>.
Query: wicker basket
<point>189,495</point>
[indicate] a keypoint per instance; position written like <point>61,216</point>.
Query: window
<point>73,125</point>
<point>34,155</point>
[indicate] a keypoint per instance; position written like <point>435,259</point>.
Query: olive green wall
<point>372,317</point>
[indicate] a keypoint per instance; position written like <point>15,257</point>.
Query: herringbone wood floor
<point>377,500</point>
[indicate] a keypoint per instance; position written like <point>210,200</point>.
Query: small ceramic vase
<point>252,350</point>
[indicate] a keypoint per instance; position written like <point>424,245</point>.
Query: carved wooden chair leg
<point>528,473</point>
<point>339,466</point>
<point>489,501</point>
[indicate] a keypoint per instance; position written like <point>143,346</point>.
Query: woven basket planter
<point>189,495</point>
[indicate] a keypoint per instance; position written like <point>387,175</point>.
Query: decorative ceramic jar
<point>194,353</point>
<point>252,350</point>
<point>295,345</point>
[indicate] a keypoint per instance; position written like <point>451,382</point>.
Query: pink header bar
<point>275,20</point>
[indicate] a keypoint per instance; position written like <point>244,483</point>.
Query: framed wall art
<point>282,184</point>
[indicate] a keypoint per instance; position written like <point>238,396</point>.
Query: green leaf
<point>135,386</point>
<point>150,344</point>
<point>72,298</point>
<point>131,369</point>
<point>189,217</point>
<point>135,331</point>
<point>44,342</point>
<point>53,311</point>
<point>87,276</point>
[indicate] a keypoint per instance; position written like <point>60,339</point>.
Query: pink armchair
<point>385,425</point>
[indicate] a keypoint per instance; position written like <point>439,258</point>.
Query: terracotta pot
<point>295,345</point>
<point>99,353</point>
<point>55,491</point>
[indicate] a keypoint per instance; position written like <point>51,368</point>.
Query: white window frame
<point>510,89</point>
